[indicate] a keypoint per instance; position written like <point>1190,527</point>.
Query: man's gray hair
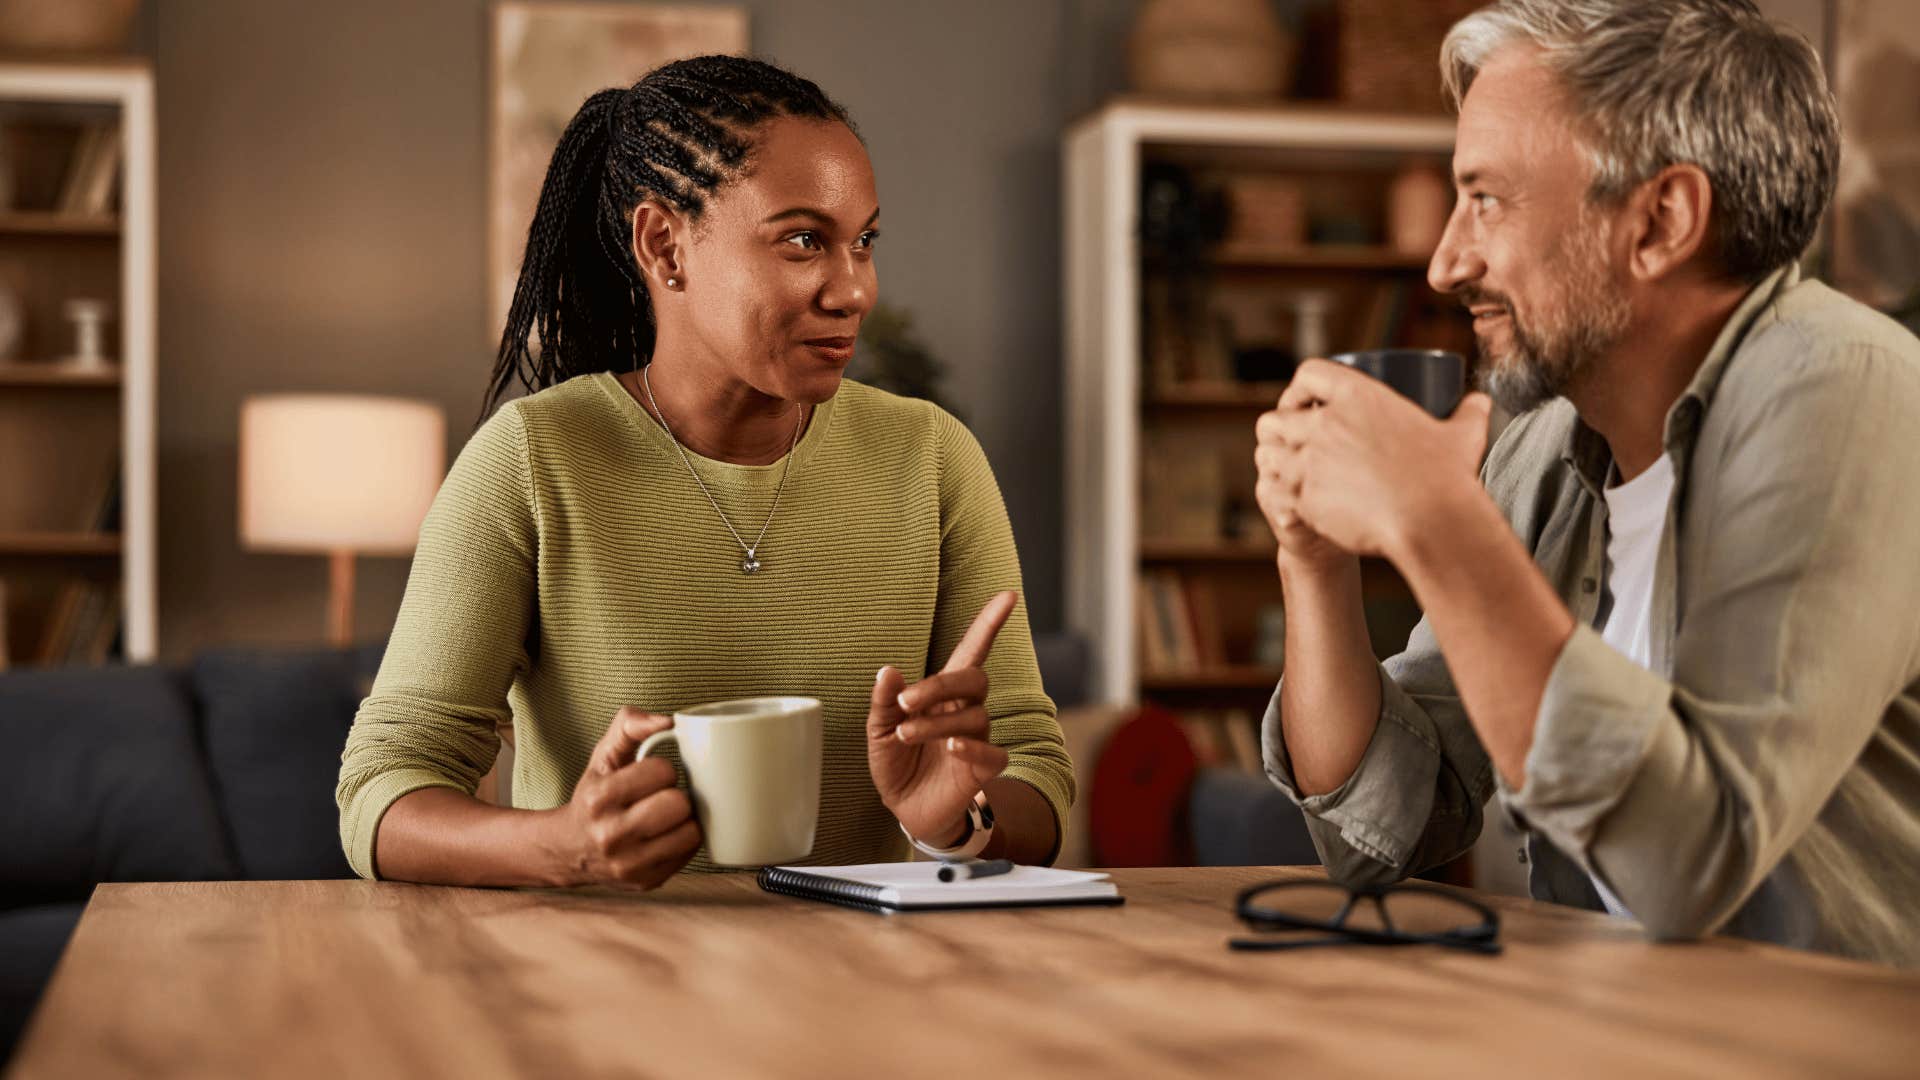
<point>1709,83</point>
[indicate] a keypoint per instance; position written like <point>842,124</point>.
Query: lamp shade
<point>338,472</point>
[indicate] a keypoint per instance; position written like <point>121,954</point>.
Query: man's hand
<point>1346,464</point>
<point>927,744</point>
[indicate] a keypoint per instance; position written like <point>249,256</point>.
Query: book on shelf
<point>1152,646</point>
<point>81,626</point>
<point>87,190</point>
<point>1178,619</point>
<point>1385,315</point>
<point>1223,738</point>
<point>102,511</point>
<point>1243,734</point>
<point>1169,644</point>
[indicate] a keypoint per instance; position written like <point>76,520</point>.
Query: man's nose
<point>1455,262</point>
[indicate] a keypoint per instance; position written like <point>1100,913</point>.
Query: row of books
<point>83,626</point>
<point>1178,623</point>
<point>1223,737</point>
<point>88,189</point>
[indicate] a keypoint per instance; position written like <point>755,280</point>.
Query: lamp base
<point>340,599</point>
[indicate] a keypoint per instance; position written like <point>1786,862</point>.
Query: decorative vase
<point>1418,202</point>
<point>1210,49</point>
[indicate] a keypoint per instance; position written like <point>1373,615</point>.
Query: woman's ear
<point>1674,210</point>
<point>657,229</point>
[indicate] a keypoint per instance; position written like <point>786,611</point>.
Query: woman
<point>694,505</point>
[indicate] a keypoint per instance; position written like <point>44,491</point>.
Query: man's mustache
<point>1473,296</point>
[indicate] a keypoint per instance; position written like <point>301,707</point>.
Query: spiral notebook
<point>913,886</point>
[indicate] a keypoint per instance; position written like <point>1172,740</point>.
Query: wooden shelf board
<point>1176,551</point>
<point>59,545</point>
<point>1230,677</point>
<point>1326,257</point>
<point>53,223</point>
<point>1220,395</point>
<point>58,375</point>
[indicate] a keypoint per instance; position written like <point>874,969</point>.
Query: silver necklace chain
<point>751,564</point>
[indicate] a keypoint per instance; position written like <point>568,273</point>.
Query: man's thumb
<point>1473,414</point>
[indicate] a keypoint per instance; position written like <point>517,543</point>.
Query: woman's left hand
<point>927,743</point>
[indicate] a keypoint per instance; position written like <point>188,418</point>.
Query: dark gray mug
<point>1434,378</point>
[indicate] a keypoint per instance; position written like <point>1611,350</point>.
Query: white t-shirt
<point>1636,518</point>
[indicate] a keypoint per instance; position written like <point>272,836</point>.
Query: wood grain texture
<point>710,977</point>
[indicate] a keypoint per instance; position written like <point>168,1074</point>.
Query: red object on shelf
<point>1137,808</point>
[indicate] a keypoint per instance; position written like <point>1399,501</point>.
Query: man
<point>1678,628</point>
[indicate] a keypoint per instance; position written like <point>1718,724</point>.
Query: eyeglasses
<point>1369,915</point>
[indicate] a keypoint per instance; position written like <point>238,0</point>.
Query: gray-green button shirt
<point>1763,778</point>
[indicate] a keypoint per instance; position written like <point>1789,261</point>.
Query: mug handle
<point>652,741</point>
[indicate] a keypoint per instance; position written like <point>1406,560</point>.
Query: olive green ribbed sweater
<point>570,566</point>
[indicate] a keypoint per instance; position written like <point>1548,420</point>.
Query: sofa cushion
<point>1244,819</point>
<point>275,724</point>
<point>106,784</point>
<point>31,941</point>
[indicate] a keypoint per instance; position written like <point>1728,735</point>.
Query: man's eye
<point>806,239</point>
<point>1483,201</point>
<point>868,238</point>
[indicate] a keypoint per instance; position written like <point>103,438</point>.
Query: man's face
<point>1524,251</point>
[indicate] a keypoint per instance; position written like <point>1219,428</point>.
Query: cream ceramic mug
<point>753,767</point>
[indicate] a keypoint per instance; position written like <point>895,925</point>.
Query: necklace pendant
<point>750,564</point>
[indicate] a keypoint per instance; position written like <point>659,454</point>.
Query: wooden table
<point>709,977</point>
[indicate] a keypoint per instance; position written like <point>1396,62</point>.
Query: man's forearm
<point>1497,620</point>
<point>1330,698</point>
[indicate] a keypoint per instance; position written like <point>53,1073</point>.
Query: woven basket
<point>1390,52</point>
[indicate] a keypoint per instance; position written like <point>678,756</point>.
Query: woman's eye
<point>807,240</point>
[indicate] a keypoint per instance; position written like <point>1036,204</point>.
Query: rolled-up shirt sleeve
<point>1414,801</point>
<point>1683,794</point>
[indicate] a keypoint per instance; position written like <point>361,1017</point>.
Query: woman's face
<point>779,271</point>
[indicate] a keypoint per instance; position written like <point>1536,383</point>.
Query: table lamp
<point>339,475</point>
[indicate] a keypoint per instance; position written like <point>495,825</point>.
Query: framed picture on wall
<point>547,58</point>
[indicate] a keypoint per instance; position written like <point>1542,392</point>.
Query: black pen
<point>961,871</point>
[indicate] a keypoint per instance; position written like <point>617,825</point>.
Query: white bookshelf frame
<point>128,86</point>
<point>1101,159</point>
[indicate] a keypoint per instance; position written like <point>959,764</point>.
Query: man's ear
<point>657,233</point>
<point>1669,221</point>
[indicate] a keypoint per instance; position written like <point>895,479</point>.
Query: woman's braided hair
<point>676,135</point>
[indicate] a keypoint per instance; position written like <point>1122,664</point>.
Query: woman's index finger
<point>973,648</point>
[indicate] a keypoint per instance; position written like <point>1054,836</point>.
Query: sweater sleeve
<point>432,719</point>
<point>977,560</point>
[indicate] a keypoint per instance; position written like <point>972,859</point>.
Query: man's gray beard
<point>1591,319</point>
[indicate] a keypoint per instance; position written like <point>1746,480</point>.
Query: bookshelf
<point>77,453</point>
<point>1170,570</point>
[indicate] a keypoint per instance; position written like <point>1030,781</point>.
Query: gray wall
<point>322,186</point>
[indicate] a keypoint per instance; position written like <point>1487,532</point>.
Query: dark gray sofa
<point>219,770</point>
